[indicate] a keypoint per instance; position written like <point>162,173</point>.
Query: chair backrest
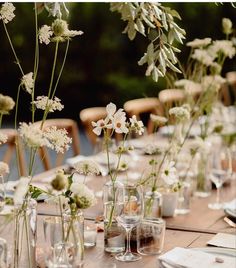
<point>73,132</point>
<point>14,145</point>
<point>143,106</point>
<point>88,115</point>
<point>231,81</point>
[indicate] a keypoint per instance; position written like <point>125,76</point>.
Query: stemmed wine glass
<point>130,216</point>
<point>218,175</point>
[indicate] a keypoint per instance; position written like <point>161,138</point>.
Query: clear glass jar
<point>152,205</point>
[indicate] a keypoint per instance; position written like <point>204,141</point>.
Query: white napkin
<point>189,258</point>
<point>223,240</point>
<point>231,205</point>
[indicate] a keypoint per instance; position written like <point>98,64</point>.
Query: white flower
<point>83,196</point>
<point>45,33</point>
<point>227,26</point>
<point>6,104</point>
<point>72,33</point>
<point>225,47</point>
<point>27,82</point>
<point>168,173</point>
<point>190,87</point>
<point>56,200</point>
<point>159,120</point>
<point>180,113</point>
<point>54,9</point>
<point>203,56</point>
<point>3,138</point>
<point>199,42</point>
<point>7,12</point>
<point>136,125</point>
<point>100,125</point>
<point>43,103</point>
<point>119,122</point>
<point>4,168</point>
<point>21,190</point>
<point>212,82</point>
<point>58,139</point>
<point>87,167</point>
<point>32,135</point>
<point>111,109</point>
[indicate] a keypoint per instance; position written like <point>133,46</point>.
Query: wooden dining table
<point>192,230</point>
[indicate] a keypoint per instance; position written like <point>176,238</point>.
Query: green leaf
<point>36,193</point>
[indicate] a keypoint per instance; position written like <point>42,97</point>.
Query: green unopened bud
<point>59,27</point>
<point>60,181</point>
<point>227,26</point>
<point>6,104</point>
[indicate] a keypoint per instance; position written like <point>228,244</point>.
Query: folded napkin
<point>231,205</point>
<point>223,240</point>
<point>189,258</point>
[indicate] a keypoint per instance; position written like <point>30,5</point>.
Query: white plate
<point>230,212</point>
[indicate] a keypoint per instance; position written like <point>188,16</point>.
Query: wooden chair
<point>14,145</point>
<point>73,132</point>
<point>144,106</point>
<point>88,115</point>
<point>231,81</point>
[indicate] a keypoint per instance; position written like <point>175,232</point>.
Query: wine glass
<point>130,216</point>
<point>218,175</point>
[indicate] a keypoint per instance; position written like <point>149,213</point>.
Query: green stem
<point>12,48</point>
<point>1,116</point>
<point>17,104</point>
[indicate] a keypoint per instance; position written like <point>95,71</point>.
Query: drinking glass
<point>130,216</point>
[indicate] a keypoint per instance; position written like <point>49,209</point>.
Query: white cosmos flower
<point>58,139</point>
<point>119,122</point>
<point>4,168</point>
<point>136,125</point>
<point>43,102</point>
<point>7,12</point>
<point>100,125</point>
<point>27,82</point>
<point>225,47</point>
<point>111,109</point>
<point>159,120</point>
<point>3,138</point>
<point>32,135</point>
<point>87,167</point>
<point>45,33</point>
<point>203,56</point>
<point>199,42</point>
<point>168,173</point>
<point>21,190</point>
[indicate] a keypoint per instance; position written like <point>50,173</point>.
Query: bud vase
<point>114,236</point>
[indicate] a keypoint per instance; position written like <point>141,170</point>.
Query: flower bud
<point>60,181</point>
<point>6,104</point>
<point>59,27</point>
<point>227,26</point>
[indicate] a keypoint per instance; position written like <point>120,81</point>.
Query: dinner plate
<point>230,212</point>
<point>216,251</point>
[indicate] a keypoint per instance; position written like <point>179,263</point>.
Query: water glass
<point>90,234</point>
<point>150,236</point>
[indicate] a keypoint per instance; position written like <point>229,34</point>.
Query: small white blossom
<point>7,12</point>
<point>3,138</point>
<point>87,167</point>
<point>111,109</point>
<point>203,57</point>
<point>4,168</point>
<point>32,135</point>
<point>180,113</point>
<point>83,196</point>
<point>58,139</point>
<point>227,26</point>
<point>168,173</point>
<point>43,103</point>
<point>73,33</point>
<point>190,87</point>
<point>136,125</point>
<point>225,47</point>
<point>119,122</point>
<point>21,190</point>
<point>159,120</point>
<point>45,33</point>
<point>100,125</point>
<point>199,42</point>
<point>27,82</point>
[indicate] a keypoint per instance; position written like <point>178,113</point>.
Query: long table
<point>189,231</point>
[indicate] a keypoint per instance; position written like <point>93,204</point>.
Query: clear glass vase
<point>152,205</point>
<point>64,240</point>
<point>114,235</point>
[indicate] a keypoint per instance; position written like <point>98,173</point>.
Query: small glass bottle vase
<point>203,183</point>
<point>114,236</point>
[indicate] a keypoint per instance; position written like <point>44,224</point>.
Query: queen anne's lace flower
<point>45,33</point>
<point>136,125</point>
<point>3,138</point>
<point>27,82</point>
<point>7,12</point>
<point>73,33</point>
<point>189,86</point>
<point>87,167</point>
<point>212,82</point>
<point>32,135</point>
<point>21,190</point>
<point>4,168</point>
<point>222,46</point>
<point>158,120</point>
<point>42,102</point>
<point>203,56</point>
<point>6,104</point>
<point>83,196</point>
<point>58,139</point>
<point>168,173</point>
<point>199,42</point>
<point>180,113</point>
